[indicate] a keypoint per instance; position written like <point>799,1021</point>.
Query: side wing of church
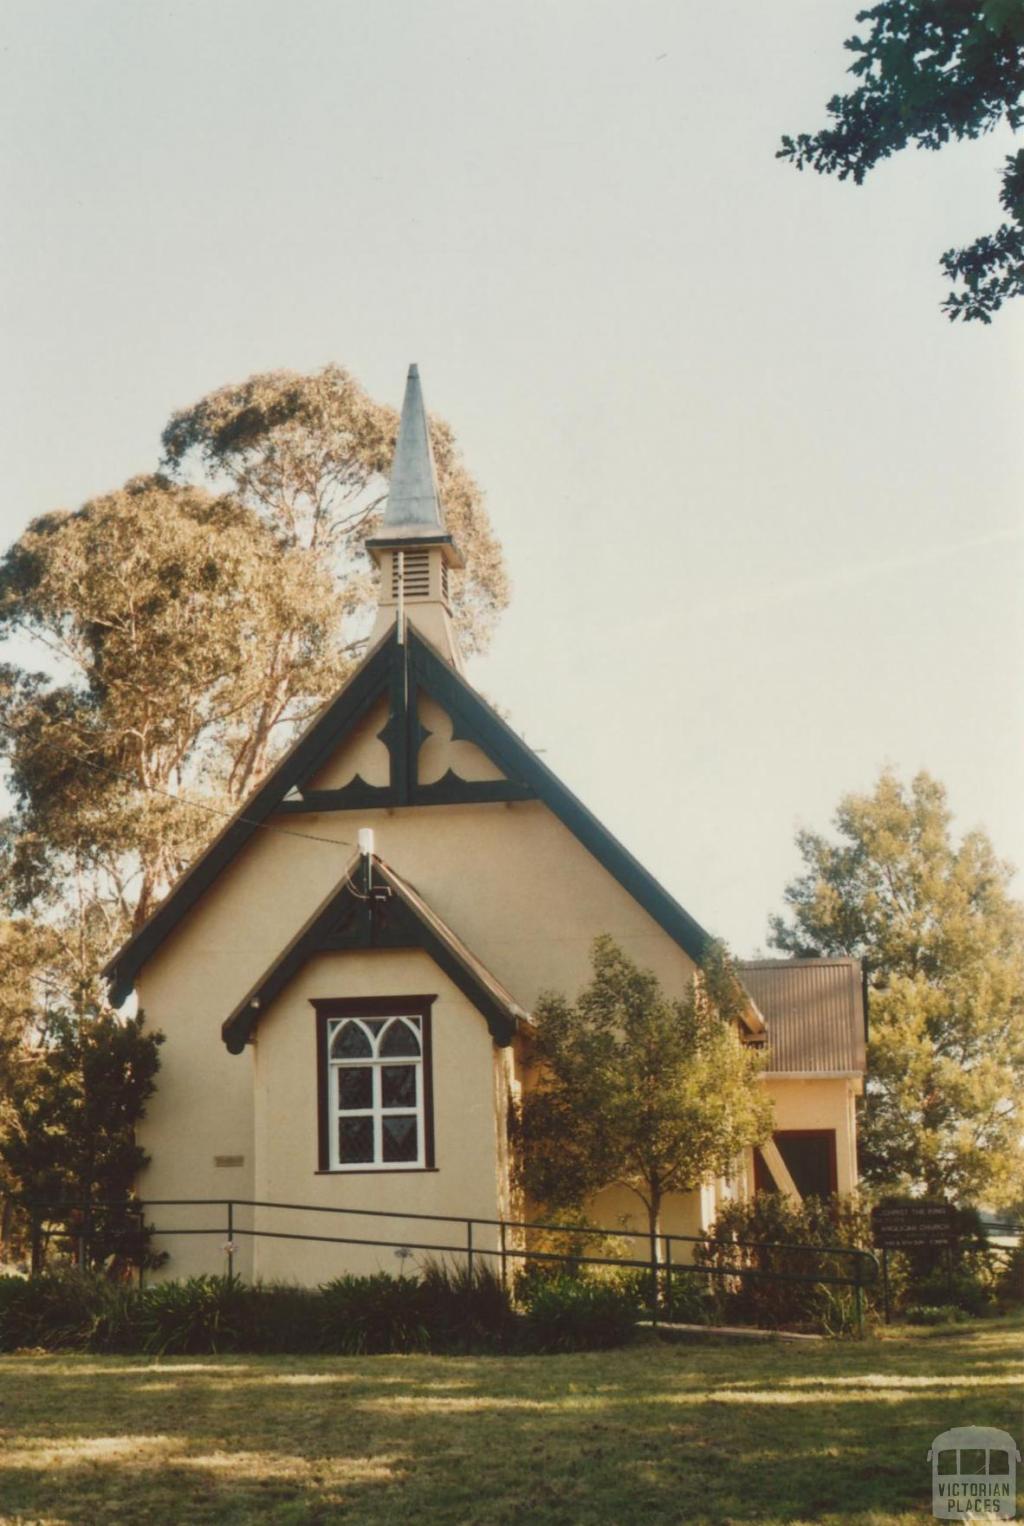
<point>345,977</point>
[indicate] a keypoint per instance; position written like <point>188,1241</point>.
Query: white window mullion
<point>378,1122</point>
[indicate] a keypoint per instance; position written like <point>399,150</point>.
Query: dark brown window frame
<point>327,1007</point>
<point>760,1164</point>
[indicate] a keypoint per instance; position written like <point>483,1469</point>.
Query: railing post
<point>670,1295</point>
<point>654,1277</point>
<point>230,1246</point>
<point>469,1249</point>
<point>857,1295</point>
<point>504,1255</point>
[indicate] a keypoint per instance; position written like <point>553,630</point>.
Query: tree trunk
<point>654,1233</point>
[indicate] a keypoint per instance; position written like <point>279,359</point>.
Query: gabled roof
<point>373,908</point>
<point>400,670</point>
<point>814,1009</point>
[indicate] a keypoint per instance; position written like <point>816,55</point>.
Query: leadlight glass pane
<point>355,1140</point>
<point>400,1138</point>
<point>355,1087</point>
<point>398,1086</point>
<point>350,1042</point>
<point>375,1024</point>
<point>400,1039</point>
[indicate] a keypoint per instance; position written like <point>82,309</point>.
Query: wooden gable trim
<point>357,917</point>
<point>474,720</point>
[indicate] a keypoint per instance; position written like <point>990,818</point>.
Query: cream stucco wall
<point>512,882</point>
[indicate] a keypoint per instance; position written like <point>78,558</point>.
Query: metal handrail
<point>140,1206</point>
<point>654,1264</point>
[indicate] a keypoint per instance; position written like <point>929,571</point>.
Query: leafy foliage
<point>444,1310</point>
<point>577,1314</point>
<point>73,1107</point>
<point>68,1311</point>
<point>943,941</point>
<point>163,609</point>
<point>637,1089</point>
<point>193,1318</point>
<point>932,71</point>
<point>466,1311</point>
<point>759,1237</point>
<point>365,1315</point>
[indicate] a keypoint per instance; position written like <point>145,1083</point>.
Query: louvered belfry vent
<point>416,579</point>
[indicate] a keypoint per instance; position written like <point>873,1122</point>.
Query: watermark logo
<point>974,1474</point>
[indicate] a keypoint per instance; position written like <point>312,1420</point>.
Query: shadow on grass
<point>704,1432</point>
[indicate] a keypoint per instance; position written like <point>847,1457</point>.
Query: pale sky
<point>760,501</point>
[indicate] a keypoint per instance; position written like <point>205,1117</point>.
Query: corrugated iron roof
<point>814,1009</point>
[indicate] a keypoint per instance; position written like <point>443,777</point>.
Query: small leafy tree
<point>637,1089</point>
<point>73,1106</point>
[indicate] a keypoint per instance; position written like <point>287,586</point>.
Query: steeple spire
<point>412,548</point>
<point>414,504</point>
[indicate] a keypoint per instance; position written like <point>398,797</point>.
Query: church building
<point>346,976</point>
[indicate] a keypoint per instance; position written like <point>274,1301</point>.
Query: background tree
<point>944,946</point>
<point>931,71</point>
<point>638,1090</point>
<point>73,1108</point>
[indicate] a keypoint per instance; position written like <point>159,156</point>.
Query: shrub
<point>65,1310</point>
<point>197,1317</point>
<point>934,1314</point>
<point>757,1238</point>
<point>364,1315</point>
<point>463,1311</point>
<point>691,1299</point>
<point>577,1314</point>
<point>13,1297</point>
<point>969,1291</point>
<point>1010,1280</point>
<point>283,1319</point>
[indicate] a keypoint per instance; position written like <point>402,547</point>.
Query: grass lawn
<point>702,1431</point>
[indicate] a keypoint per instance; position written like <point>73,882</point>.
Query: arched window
<point>374,1082</point>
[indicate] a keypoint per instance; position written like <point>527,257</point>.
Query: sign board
<point>900,1226</point>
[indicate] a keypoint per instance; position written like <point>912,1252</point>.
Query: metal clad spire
<point>414,505</point>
